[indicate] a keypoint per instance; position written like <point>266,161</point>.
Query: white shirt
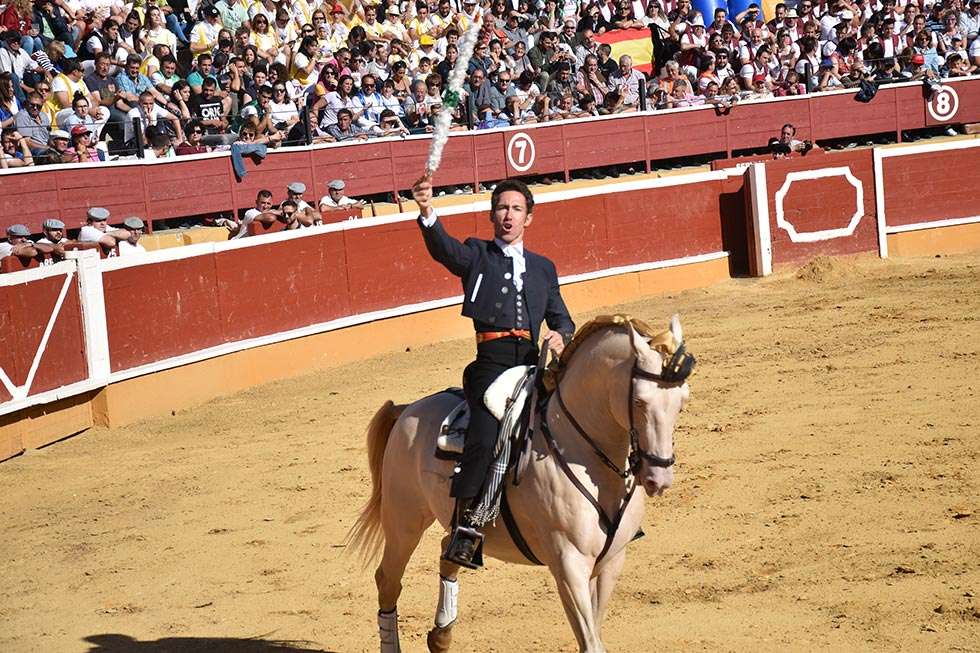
<point>6,249</point>
<point>90,234</point>
<point>326,200</point>
<point>126,248</point>
<point>514,251</point>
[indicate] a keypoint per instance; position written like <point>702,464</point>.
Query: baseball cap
<point>78,130</point>
<point>211,12</point>
<point>758,78</point>
<point>338,8</point>
<point>297,187</point>
<point>18,230</point>
<point>59,133</point>
<point>847,14</point>
<point>791,13</point>
<point>394,10</point>
<point>133,223</point>
<point>918,59</point>
<point>53,223</point>
<point>337,184</point>
<point>97,213</point>
<point>425,39</point>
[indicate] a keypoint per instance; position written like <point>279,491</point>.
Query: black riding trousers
<point>492,359</point>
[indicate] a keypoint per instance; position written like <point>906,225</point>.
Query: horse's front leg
<point>605,582</point>
<point>572,575</point>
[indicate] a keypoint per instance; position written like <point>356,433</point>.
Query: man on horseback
<point>507,292</point>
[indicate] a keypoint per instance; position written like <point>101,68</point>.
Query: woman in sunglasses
<point>193,141</point>
<point>303,68</point>
<point>265,39</point>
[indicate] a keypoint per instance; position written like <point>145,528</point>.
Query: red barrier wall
<point>236,294</point>
<point>820,203</point>
<point>25,310</point>
<point>915,193</point>
<point>201,185</point>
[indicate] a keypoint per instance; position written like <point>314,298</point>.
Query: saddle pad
<point>499,394</point>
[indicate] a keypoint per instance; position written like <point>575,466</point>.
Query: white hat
<point>297,187</point>
<point>697,22</point>
<point>337,184</point>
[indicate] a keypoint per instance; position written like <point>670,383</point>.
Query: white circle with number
<point>944,104</point>
<point>520,152</point>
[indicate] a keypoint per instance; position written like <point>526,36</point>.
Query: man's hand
<point>555,342</point>
<point>422,192</point>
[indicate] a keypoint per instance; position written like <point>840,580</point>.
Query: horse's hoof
<point>439,639</point>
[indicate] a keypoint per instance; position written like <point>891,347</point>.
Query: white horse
<point>609,428</point>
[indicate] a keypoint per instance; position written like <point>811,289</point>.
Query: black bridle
<point>675,372</point>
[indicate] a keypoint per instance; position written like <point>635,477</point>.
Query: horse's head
<point>658,393</point>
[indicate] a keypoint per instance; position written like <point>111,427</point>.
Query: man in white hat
<point>307,215</point>
<point>18,243</point>
<point>57,145</point>
<point>131,245</point>
<point>335,198</point>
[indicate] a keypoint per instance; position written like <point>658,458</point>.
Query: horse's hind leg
<point>401,538</point>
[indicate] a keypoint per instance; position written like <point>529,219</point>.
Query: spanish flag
<point>634,42</point>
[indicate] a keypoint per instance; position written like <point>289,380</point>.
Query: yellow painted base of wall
<point>175,389</point>
<point>40,425</point>
<point>942,240</point>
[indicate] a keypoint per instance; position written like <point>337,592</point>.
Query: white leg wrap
<point>447,611</point>
<point>388,629</point>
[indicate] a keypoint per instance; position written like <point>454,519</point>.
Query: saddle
<point>505,399</point>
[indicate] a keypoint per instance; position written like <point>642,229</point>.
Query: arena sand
<point>826,496</point>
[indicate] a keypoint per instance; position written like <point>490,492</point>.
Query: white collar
<point>512,249</point>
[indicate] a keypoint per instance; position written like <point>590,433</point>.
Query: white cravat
<point>515,252</point>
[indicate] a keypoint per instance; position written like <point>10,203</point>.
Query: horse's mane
<point>662,341</point>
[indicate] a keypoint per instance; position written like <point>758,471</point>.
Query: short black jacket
<point>489,295</point>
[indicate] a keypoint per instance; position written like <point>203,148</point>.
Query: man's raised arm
<point>454,255</point>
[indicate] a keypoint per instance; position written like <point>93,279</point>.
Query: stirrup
<point>465,548</point>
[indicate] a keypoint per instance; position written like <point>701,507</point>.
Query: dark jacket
<point>489,295</point>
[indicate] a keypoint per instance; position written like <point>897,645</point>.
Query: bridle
<point>674,373</point>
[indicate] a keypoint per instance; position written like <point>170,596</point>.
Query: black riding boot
<point>465,546</point>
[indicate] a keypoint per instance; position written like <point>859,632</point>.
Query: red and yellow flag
<point>634,42</point>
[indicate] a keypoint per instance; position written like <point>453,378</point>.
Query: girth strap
<point>515,532</point>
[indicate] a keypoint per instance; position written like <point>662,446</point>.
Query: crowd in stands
<point>75,75</point>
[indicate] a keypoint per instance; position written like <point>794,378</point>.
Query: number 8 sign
<point>944,104</point>
<point>520,152</point>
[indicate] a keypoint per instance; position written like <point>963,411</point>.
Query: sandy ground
<point>826,496</point>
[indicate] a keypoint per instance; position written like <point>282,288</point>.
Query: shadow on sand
<point>116,643</point>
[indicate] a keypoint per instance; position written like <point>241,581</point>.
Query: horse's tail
<point>366,535</point>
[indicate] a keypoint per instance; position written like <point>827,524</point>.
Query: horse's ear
<point>675,328</point>
<point>640,345</point>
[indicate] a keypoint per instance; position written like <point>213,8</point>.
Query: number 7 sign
<point>520,152</point>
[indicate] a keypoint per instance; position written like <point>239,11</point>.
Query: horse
<point>605,429</point>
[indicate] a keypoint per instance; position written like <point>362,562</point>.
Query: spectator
<point>151,115</point>
<point>165,78</point>
<point>55,152</point>
<point>307,216</point>
<point>15,152</point>
<point>81,150</point>
<point>18,243</point>
<point>131,245</point>
<point>97,230</point>
<point>202,71</point>
<point>80,115</point>
<point>335,198</point>
<point>211,110</point>
<point>103,88</point>
<point>33,123</point>
<point>63,90</point>
<point>18,62</point>
<point>263,207</point>
<point>194,140</point>
<point>52,244</point>
<point>160,146</point>
<point>204,35</point>
<point>627,81</point>
<point>345,129</point>
<point>132,84</point>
